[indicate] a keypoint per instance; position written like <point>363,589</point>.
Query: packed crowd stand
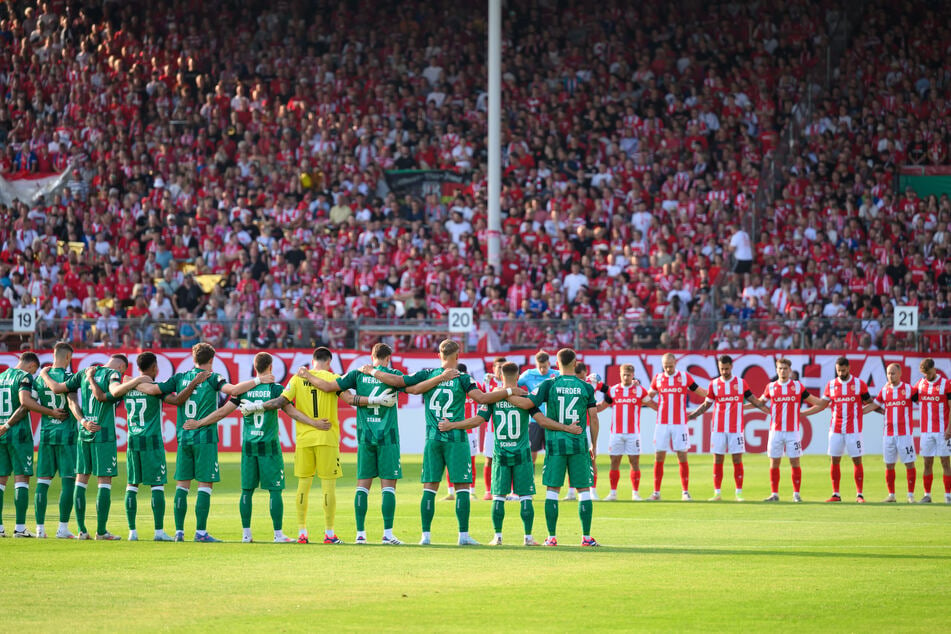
<point>227,184</point>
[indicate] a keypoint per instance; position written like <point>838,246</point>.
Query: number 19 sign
<point>460,320</point>
<point>24,319</point>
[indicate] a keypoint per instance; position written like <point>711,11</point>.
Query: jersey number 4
<point>569,412</point>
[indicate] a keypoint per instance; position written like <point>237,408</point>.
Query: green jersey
<point>52,430</point>
<point>12,382</point>
<point>202,402</point>
<point>446,400</point>
<point>567,399</point>
<point>375,424</point>
<point>261,427</point>
<point>103,414</point>
<point>144,418</point>
<point>512,444</point>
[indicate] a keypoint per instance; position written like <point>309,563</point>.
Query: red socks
<point>658,475</point>
<point>738,475</point>
<point>685,476</point>
<point>890,480</point>
<point>912,475</point>
<point>926,482</point>
<point>796,479</point>
<point>859,473</point>
<point>947,484</point>
<point>836,473</point>
<point>487,477</point>
<point>615,476</point>
<point>636,479</point>
<point>774,480</point>
<point>717,475</point>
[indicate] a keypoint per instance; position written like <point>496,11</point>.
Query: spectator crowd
<point>228,164</point>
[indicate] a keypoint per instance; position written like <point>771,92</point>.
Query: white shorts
<point>898,449</point>
<point>488,443</point>
<point>671,438</point>
<point>723,443</point>
<point>933,444</point>
<point>840,444</point>
<point>788,441</point>
<point>624,445</point>
<point>473,443</point>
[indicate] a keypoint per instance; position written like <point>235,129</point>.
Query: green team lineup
<point>543,409</point>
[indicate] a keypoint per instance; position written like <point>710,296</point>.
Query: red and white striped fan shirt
<point>627,408</point>
<point>933,398</point>
<point>785,400</point>
<point>727,398</point>
<point>897,401</point>
<point>846,400</point>
<point>672,397</point>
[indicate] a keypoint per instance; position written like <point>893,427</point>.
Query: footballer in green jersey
<point>569,401</point>
<point>16,435</point>
<point>445,449</point>
<point>99,391</point>
<point>378,435</point>
<point>262,460</point>
<point>145,452</point>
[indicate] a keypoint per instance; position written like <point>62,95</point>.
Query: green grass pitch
<point>664,566</point>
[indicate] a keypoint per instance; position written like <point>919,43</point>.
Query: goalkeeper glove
<point>250,407</point>
<point>386,399</point>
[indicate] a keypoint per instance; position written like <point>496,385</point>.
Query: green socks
<point>131,505</point>
<point>427,509</point>
<point>462,510</point>
<point>277,510</point>
<point>551,514</point>
<point>81,507</point>
<point>21,501</point>
<point>360,508</point>
<point>585,509</point>
<point>158,507</point>
<point>527,512</point>
<point>40,501</point>
<point>180,508</point>
<point>103,504</point>
<point>66,499</point>
<point>498,514</point>
<point>389,507</point>
<point>244,507</point>
<point>202,507</point>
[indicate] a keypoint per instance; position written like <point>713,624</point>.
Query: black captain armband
<point>607,396</point>
<point>534,411</point>
<point>747,394</point>
<point>693,387</point>
<point>235,400</point>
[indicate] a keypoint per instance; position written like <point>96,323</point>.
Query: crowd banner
<point>424,182</point>
<point>815,368</point>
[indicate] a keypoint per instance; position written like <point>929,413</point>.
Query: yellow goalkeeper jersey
<point>316,404</point>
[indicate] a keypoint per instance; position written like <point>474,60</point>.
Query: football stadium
<point>450,316</point>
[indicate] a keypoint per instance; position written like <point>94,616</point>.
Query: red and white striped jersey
<point>933,398</point>
<point>727,398</point>
<point>846,400</point>
<point>627,408</point>
<point>672,397</point>
<point>785,400</point>
<point>897,401</point>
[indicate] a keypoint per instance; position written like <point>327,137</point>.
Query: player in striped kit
<point>934,392</point>
<point>670,388</point>
<point>785,396</point>
<point>726,395</point>
<point>847,395</point>
<point>629,397</point>
<point>895,402</point>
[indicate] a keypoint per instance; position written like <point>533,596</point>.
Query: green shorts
<point>97,458</point>
<point>577,465</point>
<point>519,478</point>
<point>379,460</point>
<point>266,471</point>
<point>197,462</point>
<point>53,459</point>
<point>146,466</point>
<point>439,456</point>
<point>16,459</point>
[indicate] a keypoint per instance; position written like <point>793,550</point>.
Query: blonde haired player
<point>628,397</point>
<point>896,401</point>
